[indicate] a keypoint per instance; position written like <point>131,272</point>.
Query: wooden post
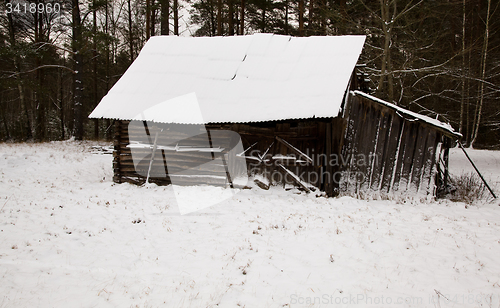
<point>227,171</point>
<point>446,158</point>
<point>117,177</point>
<point>210,143</point>
<point>295,178</point>
<point>295,150</point>
<point>475,168</point>
<point>226,168</point>
<point>328,177</point>
<point>152,156</point>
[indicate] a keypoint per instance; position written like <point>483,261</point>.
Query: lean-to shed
<point>292,104</point>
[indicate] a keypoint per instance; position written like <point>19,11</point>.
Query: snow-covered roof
<point>434,122</point>
<point>253,78</point>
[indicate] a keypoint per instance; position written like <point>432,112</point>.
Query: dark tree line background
<point>437,57</point>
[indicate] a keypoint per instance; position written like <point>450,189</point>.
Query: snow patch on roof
<point>434,122</point>
<point>261,77</point>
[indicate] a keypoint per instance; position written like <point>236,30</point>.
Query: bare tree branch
<point>40,67</point>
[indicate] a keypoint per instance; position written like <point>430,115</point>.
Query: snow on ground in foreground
<point>71,238</point>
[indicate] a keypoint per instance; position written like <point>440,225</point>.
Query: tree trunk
<point>301,17</point>
<point>385,72</point>
<point>483,74</point>
<point>39,104</point>
<point>468,133</point>
<point>130,33</point>
<point>219,17</point>
<point>17,64</point>
<point>343,10</point>
<point>78,66</point>
<point>22,100</point>
<point>263,21</point>
<point>94,67</point>
<point>107,121</point>
<point>61,102</point>
<point>153,17</point>
<point>462,100</point>
<point>4,120</point>
<point>38,93</point>
<point>165,12</point>
<point>242,18</point>
<point>230,17</point>
<point>310,23</point>
<point>148,19</point>
<point>286,17</point>
<point>176,17</point>
<point>323,9</point>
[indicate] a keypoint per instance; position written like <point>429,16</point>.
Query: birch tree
<point>479,108</point>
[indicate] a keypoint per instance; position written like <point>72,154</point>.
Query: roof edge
<point>442,126</point>
<point>217,123</point>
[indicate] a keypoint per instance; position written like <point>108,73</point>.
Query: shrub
<point>466,188</point>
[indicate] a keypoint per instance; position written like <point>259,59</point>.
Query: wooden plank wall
<point>373,149</point>
<point>134,169</point>
<point>316,138</point>
<point>386,152</point>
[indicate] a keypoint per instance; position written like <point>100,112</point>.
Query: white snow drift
<point>69,237</point>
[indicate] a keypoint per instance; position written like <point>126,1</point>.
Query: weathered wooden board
<point>368,148</point>
<point>356,119</point>
<point>307,135</point>
<point>407,157</point>
<point>419,156</point>
<point>383,131</point>
<point>375,149</point>
<point>429,169</point>
<point>400,151</point>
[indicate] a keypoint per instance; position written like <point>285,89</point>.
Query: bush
<point>466,188</point>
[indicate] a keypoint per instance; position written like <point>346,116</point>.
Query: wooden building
<point>404,151</point>
<point>189,110</point>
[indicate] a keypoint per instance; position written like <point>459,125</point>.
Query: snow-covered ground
<point>488,163</point>
<point>71,238</point>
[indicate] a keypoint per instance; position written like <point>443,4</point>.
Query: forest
<point>58,58</point>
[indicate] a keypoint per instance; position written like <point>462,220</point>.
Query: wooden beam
<point>294,177</point>
<point>152,156</point>
<point>295,150</point>
<point>475,168</point>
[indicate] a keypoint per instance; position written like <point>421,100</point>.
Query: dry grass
<point>467,188</point>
